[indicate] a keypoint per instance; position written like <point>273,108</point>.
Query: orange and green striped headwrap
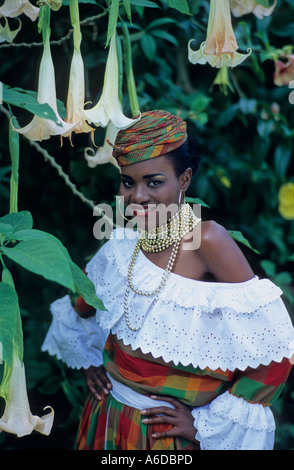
<point>155,133</point>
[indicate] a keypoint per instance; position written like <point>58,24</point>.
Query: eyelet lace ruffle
<point>231,423</point>
<point>76,341</point>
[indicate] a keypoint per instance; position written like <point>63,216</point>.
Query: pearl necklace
<point>176,228</point>
<point>162,237</point>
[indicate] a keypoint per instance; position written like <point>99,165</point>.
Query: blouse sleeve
<point>77,341</point>
<point>241,418</point>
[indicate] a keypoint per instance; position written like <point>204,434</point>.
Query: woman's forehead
<point>148,167</point>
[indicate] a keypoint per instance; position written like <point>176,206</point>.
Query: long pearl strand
<point>176,229</point>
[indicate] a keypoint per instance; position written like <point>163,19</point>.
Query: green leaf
<point>282,157</point>
<point>112,19</point>
<point>180,5</point>
<point>196,200</point>
<point>148,45</point>
<point>239,237</point>
<point>85,288</point>
<point>23,99</point>
<point>127,5</point>
<point>160,22</point>
<point>144,3</point>
<point>44,257</point>
<point>165,35</point>
<point>35,234</point>
<point>9,310</point>
<point>82,284</point>
<point>5,228</point>
<point>269,267</point>
<point>18,220</point>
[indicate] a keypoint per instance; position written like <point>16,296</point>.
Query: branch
<point>85,22</point>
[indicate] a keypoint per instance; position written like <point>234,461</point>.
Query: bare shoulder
<point>221,255</point>
<point>212,232</point>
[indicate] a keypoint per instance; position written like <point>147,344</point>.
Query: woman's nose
<point>140,194</point>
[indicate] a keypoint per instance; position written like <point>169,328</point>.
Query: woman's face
<point>151,190</point>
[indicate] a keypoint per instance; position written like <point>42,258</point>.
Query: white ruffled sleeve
<point>232,423</point>
<point>79,342</point>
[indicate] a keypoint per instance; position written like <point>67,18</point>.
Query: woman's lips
<point>144,212</point>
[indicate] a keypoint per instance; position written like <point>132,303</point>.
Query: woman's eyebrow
<point>153,175</point>
<point>126,176</point>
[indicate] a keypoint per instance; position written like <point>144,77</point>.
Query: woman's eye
<point>127,184</point>
<point>155,183</point>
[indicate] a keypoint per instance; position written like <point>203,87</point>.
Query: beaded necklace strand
<point>155,241</point>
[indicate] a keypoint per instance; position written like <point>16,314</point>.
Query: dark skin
<point>217,259</point>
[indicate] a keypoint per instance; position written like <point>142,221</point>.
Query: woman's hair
<point>185,156</point>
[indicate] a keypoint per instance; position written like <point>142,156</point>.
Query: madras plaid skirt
<point>111,425</point>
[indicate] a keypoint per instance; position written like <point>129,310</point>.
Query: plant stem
<point>14,155</point>
<point>75,22</point>
<point>129,71</point>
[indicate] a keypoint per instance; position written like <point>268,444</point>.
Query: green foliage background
<point>246,139</point>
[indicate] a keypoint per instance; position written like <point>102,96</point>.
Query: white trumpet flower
<point>103,154</point>
<point>243,7</point>
<point>39,128</point>
<point>108,108</point>
<point>17,417</point>
<point>220,47</point>
<point>76,97</point>
<point>13,8</point>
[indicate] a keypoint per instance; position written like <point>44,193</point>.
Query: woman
<point>195,347</point>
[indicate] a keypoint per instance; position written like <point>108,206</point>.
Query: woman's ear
<point>185,179</point>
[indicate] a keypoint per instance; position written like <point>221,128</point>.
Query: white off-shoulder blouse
<point>212,325</point>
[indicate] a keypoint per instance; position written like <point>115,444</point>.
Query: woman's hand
<point>96,377</point>
<point>180,418</point>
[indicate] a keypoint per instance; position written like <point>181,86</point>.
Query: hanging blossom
<point>243,7</point>
<point>108,108</point>
<point>76,88</point>
<point>17,417</point>
<point>39,128</point>
<point>220,47</point>
<point>6,34</point>
<point>103,154</point>
<point>76,97</point>
<point>13,8</point>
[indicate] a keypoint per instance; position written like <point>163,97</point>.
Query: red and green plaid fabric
<point>147,375</point>
<point>263,384</point>
<point>108,424</point>
<point>155,133</point>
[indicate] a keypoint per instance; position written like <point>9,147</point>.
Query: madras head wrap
<point>156,133</point>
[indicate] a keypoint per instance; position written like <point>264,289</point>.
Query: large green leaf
<point>85,288</point>
<point>82,284</point>
<point>18,220</point>
<point>43,256</point>
<point>112,19</point>
<point>26,100</point>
